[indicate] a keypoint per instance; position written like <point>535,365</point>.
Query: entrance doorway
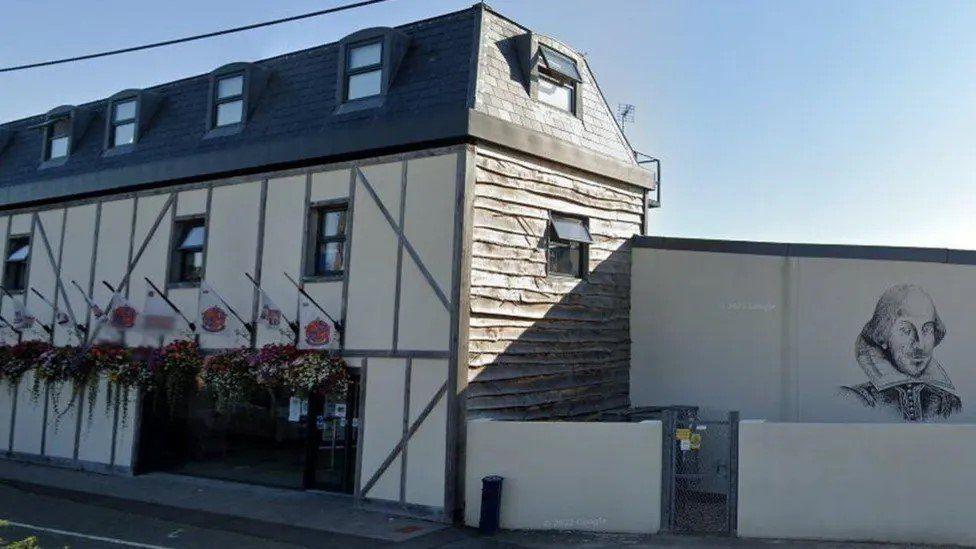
<point>700,471</point>
<point>273,439</point>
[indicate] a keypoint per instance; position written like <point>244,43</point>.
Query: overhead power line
<point>192,38</point>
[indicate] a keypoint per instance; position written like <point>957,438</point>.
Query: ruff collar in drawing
<point>318,332</point>
<point>896,352</point>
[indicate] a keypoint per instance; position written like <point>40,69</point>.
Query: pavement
<point>65,508</point>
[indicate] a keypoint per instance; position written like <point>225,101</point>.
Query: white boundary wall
<point>871,482</point>
<point>568,476</point>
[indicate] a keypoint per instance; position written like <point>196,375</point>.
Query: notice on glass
<point>297,407</point>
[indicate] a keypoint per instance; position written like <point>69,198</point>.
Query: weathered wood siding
<point>540,346</point>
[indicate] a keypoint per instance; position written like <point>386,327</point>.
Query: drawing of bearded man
<point>895,350</point>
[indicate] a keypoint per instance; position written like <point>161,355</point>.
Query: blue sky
<point>819,121</point>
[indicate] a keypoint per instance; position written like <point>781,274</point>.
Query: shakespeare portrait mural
<point>896,352</point>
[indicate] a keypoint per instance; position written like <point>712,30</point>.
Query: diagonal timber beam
<point>406,242</point>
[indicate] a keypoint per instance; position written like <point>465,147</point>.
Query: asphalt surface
<point>70,522</point>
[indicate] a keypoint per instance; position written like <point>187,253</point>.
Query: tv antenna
<point>625,114</point>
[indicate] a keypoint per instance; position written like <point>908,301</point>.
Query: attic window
<point>58,139</point>
<point>364,70</point>
<point>123,122</point>
<point>229,101</point>
<point>559,64</point>
<point>558,80</point>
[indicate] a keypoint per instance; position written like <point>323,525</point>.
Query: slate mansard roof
<point>457,82</point>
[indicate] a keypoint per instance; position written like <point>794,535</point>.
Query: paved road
<point>60,522</point>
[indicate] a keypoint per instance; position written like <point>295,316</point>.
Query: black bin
<point>491,504</point>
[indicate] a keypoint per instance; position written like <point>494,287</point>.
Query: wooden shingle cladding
<point>546,346</point>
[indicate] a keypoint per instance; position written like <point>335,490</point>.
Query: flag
<point>270,315</point>
<point>24,319</point>
<point>122,315</point>
<point>158,318</point>
<point>317,331</point>
<point>211,312</point>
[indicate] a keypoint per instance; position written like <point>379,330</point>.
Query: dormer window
<point>235,93</point>
<point>123,127</point>
<point>558,79</point>
<point>364,70</point>
<point>368,63</point>
<point>58,141</point>
<point>229,101</point>
<point>128,116</point>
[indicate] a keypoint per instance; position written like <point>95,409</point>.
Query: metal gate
<point>700,471</point>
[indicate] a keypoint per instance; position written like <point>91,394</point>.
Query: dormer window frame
<point>235,97</point>
<point>146,104</point>
<point>113,123</point>
<point>352,71</point>
<point>393,45</point>
<point>73,121</point>
<point>50,139</point>
<point>254,79</point>
<point>539,69</point>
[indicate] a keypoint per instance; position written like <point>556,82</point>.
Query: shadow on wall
<point>547,347</point>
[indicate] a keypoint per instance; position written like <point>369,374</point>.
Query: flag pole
<point>247,325</point>
<point>292,325</point>
<point>78,327</point>
<point>11,296</point>
<point>338,324</point>
<point>172,305</point>
<point>84,294</point>
<point>7,322</point>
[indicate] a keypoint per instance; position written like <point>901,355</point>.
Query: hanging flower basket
<point>180,363</point>
<point>22,357</point>
<point>270,364</point>
<point>230,376</point>
<point>316,372</point>
<point>56,366</point>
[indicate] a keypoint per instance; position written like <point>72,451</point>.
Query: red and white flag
<point>212,313</point>
<point>270,315</point>
<point>317,331</point>
<point>121,315</point>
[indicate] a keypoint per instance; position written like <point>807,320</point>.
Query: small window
<point>558,78</point>
<point>327,253</point>
<point>567,252</point>
<point>15,265</point>
<point>188,254</point>
<point>558,63</point>
<point>557,94</point>
<point>364,71</point>
<point>123,123</point>
<point>229,101</point>
<point>58,143</point>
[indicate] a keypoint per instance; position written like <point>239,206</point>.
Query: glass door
<point>332,447</point>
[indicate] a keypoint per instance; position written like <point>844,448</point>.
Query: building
<point>456,190</point>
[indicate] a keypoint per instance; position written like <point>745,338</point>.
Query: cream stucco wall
<point>567,475</point>
<point>895,483</point>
